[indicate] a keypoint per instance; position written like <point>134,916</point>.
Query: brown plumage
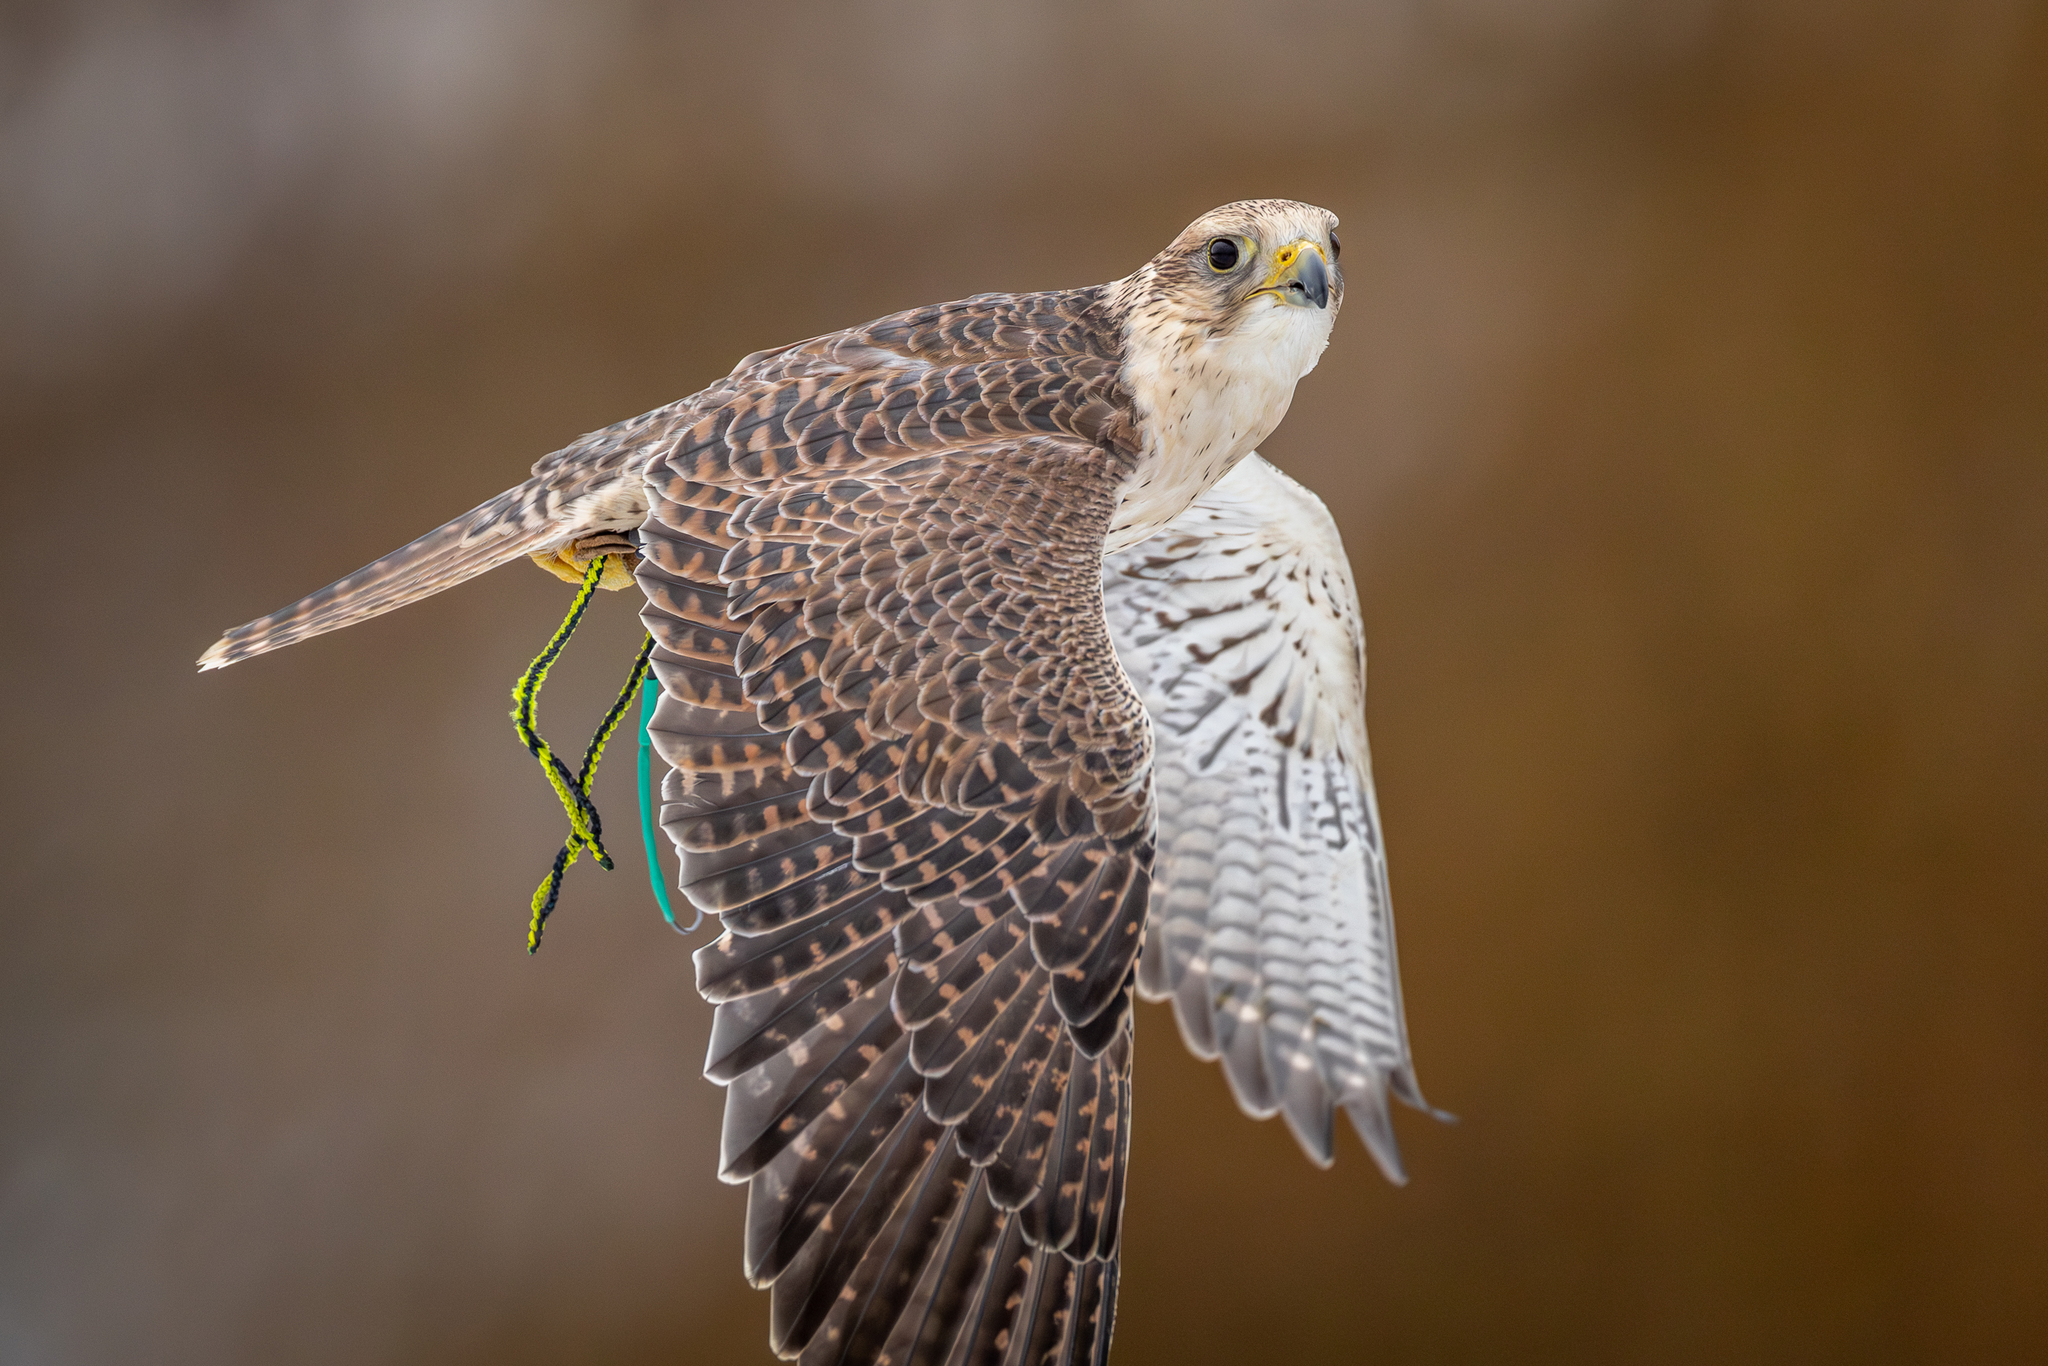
<point>908,769</point>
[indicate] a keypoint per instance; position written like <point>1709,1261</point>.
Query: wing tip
<point>1375,1128</point>
<point>1409,1092</point>
<point>1374,1122</point>
<point>244,642</point>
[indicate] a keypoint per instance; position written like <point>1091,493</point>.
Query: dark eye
<point>1336,247</point>
<point>1222,253</point>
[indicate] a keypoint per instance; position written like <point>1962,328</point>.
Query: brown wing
<point>913,779</point>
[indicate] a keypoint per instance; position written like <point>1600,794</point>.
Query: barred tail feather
<point>515,523</point>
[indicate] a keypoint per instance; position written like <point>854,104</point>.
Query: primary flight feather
<point>1000,678</point>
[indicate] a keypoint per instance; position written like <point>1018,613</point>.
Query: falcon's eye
<point>1222,253</point>
<point>1336,247</point>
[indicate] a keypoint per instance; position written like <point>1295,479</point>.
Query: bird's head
<point>1259,275</point>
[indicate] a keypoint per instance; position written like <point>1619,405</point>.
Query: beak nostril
<point>1301,276</point>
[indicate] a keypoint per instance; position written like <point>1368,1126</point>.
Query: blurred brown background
<point>1688,424</point>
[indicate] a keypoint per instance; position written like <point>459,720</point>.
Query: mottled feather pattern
<point>910,771</point>
<point>912,778</point>
<point>1271,929</point>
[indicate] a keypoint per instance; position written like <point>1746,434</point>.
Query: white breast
<point>1204,400</point>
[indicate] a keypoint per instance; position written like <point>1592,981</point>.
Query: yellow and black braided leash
<point>586,831</point>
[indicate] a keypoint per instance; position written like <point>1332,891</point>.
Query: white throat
<point>1204,401</point>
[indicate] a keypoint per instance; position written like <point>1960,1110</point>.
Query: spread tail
<point>514,523</point>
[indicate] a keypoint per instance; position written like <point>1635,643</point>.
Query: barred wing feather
<point>1271,930</point>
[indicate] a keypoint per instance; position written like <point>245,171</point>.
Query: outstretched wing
<point>1271,929</point>
<point>912,779</point>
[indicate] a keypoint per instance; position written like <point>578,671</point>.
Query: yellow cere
<point>1284,261</point>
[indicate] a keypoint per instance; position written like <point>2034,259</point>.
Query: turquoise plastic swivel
<point>650,696</point>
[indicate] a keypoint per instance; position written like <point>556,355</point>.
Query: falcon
<point>1000,680</point>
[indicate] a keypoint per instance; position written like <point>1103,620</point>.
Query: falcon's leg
<point>569,562</point>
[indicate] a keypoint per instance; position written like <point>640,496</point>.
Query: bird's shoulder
<point>1047,325</point>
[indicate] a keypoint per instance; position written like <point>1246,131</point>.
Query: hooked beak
<point>1300,275</point>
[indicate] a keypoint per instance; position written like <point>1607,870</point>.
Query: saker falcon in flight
<point>999,677</point>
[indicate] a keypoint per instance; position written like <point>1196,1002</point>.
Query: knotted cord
<point>586,830</point>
